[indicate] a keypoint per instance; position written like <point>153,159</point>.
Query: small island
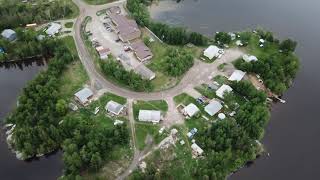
<point>124,96</point>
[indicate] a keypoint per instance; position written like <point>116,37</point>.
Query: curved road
<point>197,75</point>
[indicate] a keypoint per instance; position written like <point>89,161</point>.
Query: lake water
<point>11,83</point>
<point>292,135</point>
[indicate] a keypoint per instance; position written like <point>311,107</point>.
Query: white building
<point>149,116</point>
<point>114,107</point>
<point>196,150</point>
<point>249,58</point>
<point>191,110</point>
<point>223,89</point>
<point>9,34</point>
<point>211,52</point>
<point>83,96</point>
<point>53,29</point>
<point>237,75</point>
<point>213,108</point>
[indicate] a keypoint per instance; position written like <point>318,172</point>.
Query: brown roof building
<point>127,29</point>
<point>142,52</point>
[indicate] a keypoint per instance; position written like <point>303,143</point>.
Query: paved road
<point>197,75</point>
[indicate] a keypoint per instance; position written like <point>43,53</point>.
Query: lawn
<point>98,2</point>
<point>68,24</point>
<point>206,91</point>
<point>144,129</point>
<point>103,100</point>
<point>149,105</point>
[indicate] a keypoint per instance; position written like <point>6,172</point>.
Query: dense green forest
<point>14,13</point>
<point>27,45</point>
<point>127,78</point>
<point>177,62</point>
<point>170,35</point>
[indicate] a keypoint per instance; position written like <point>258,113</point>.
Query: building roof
<point>149,116</point>
<point>84,94</point>
<point>127,28</point>
<point>213,107</point>
<point>224,88</point>
<point>237,75</point>
<point>145,72</point>
<point>249,58</point>
<point>196,148</point>
<point>211,51</point>
<point>114,107</point>
<point>114,9</point>
<point>191,109</point>
<point>7,33</point>
<point>221,116</point>
<point>53,29</point>
<point>141,50</point>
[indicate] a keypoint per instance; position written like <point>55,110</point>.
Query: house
<point>145,72</point>
<point>149,116</point>
<point>127,29</point>
<point>237,75</point>
<point>190,110</point>
<point>83,96</point>
<point>196,150</point>
<point>53,29</point>
<point>213,86</point>
<point>103,52</point>
<point>223,89</point>
<point>142,52</point>
<point>213,108</point>
<point>9,34</point>
<point>211,52</point>
<point>114,107</point>
<point>249,58</point>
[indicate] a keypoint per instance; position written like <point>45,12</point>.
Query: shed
<point>223,89</point>
<point>213,107</point>
<point>84,96</point>
<point>149,116</point>
<point>249,58</point>
<point>9,34</point>
<point>211,52</point>
<point>53,29</point>
<point>196,150</point>
<point>114,107</point>
<point>237,75</point>
<point>191,110</point>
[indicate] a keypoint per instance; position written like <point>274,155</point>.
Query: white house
<point>53,29</point>
<point>211,52</point>
<point>191,110</point>
<point>237,75</point>
<point>9,34</point>
<point>213,108</point>
<point>83,96</point>
<point>149,116</point>
<point>114,107</point>
<point>249,58</point>
<point>223,89</point>
<point>196,150</point>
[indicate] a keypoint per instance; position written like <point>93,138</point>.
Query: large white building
<point>237,75</point>
<point>213,108</point>
<point>223,89</point>
<point>211,52</point>
<point>53,29</point>
<point>114,107</point>
<point>149,116</point>
<point>83,96</point>
<point>191,110</point>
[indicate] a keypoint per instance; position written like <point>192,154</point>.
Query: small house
<point>223,89</point>
<point>196,150</point>
<point>237,75</point>
<point>149,116</point>
<point>211,52</point>
<point>53,29</point>
<point>142,52</point>
<point>190,110</point>
<point>114,107</point>
<point>213,108</point>
<point>249,58</point>
<point>9,34</point>
<point>83,96</point>
<point>103,52</point>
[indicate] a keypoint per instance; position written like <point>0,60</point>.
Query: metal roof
<point>191,109</point>
<point>53,29</point>
<point>213,107</point>
<point>224,88</point>
<point>149,116</point>
<point>8,33</point>
<point>84,95</point>
<point>114,107</point>
<point>237,75</point>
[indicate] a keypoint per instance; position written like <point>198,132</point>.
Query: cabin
<point>53,29</point>
<point>211,52</point>
<point>114,108</point>
<point>9,34</point>
<point>190,110</point>
<point>149,116</point>
<point>196,150</point>
<point>213,107</point>
<point>249,58</point>
<point>237,75</point>
<point>223,89</point>
<point>84,96</point>
<point>142,52</point>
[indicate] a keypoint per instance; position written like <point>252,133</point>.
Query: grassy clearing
<point>68,25</point>
<point>149,105</point>
<point>103,100</point>
<point>144,129</point>
<point>98,2</point>
<point>206,91</point>
<point>221,79</point>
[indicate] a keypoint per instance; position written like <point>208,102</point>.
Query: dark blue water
<point>292,135</point>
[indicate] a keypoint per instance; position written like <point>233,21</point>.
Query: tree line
<point>177,62</point>
<point>168,34</point>
<point>14,13</point>
<point>130,79</point>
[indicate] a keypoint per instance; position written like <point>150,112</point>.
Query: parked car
<point>126,48</point>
